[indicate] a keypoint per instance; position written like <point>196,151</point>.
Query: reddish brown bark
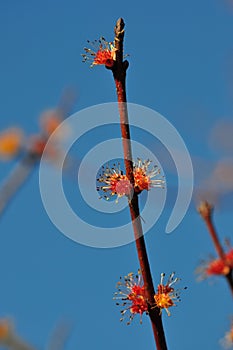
<point>119,74</point>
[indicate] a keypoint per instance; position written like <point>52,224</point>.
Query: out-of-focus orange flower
<point>50,120</point>
<point>37,145</point>
<point>216,266</point>
<point>10,142</point>
<point>227,341</point>
<point>4,329</point>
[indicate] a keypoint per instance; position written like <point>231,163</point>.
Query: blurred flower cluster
<point>14,142</point>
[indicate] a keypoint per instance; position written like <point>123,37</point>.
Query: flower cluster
<point>227,341</point>
<point>131,292</point>
<point>49,122</point>
<point>115,182</point>
<point>11,141</point>
<point>103,52</point>
<point>216,266</point>
<point>4,330</point>
<point>144,176</point>
<point>9,339</point>
<point>166,296</point>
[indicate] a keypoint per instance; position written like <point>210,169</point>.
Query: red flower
<point>143,176</point>
<point>4,330</point>
<point>166,295</point>
<point>131,292</point>
<point>50,120</point>
<point>37,144</point>
<point>116,183</point>
<point>217,266</point>
<point>11,141</point>
<point>227,341</point>
<point>103,53</point>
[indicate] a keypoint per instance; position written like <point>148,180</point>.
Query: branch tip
<point>205,209</point>
<point>119,28</point>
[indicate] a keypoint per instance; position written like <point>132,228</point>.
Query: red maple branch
<point>119,73</point>
<point>206,212</point>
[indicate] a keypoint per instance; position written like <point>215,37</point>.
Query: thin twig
<point>59,336</point>
<point>15,180</point>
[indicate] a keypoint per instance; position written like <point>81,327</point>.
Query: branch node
<point>126,65</point>
<point>119,27</point>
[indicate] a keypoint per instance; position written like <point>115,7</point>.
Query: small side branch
<point>206,212</point>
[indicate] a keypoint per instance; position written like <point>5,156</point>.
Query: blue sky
<point>181,66</point>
